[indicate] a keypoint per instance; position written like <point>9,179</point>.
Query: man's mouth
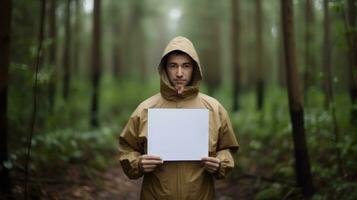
<point>179,81</point>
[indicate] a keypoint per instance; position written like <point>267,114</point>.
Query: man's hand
<point>148,163</point>
<point>211,164</point>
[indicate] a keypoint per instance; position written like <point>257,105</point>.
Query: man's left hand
<point>211,164</point>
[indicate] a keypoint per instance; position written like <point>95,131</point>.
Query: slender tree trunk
<point>142,52</point>
<point>235,54</point>
<point>140,41</point>
<point>281,61</point>
<point>327,56</point>
<point>35,94</point>
<point>52,53</point>
<point>309,38</point>
<point>217,52</point>
<point>67,51</point>
<point>5,21</point>
<point>213,73</point>
<point>96,62</point>
<point>302,163</point>
<point>259,55</point>
<point>117,64</point>
<point>329,101</point>
<point>77,36</point>
<point>352,41</point>
<point>116,56</point>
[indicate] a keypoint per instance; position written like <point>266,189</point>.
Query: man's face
<point>179,69</point>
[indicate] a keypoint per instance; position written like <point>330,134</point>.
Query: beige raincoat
<point>178,180</point>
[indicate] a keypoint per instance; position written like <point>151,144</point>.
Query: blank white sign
<point>178,134</point>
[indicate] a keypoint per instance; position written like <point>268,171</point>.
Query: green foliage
<point>64,136</point>
<point>266,144</point>
<point>270,193</point>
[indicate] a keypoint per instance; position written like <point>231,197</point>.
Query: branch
<point>33,119</point>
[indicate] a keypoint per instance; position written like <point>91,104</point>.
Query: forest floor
<point>112,184</point>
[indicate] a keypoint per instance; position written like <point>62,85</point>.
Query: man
<point>180,76</point>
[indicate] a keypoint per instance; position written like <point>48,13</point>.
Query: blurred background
<point>74,70</point>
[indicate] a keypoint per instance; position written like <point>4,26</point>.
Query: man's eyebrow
<point>177,63</point>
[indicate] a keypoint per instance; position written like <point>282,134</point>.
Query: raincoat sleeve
<point>129,149</point>
<point>227,144</point>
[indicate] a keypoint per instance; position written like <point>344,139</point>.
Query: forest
<point>73,71</point>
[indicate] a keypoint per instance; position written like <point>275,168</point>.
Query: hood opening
<point>196,75</point>
<point>179,45</point>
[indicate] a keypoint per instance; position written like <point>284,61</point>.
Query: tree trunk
<point>5,21</point>
<point>67,51</point>
<point>140,42</point>
<point>142,52</point>
<point>35,94</point>
<point>326,62</point>
<point>116,58</point>
<point>302,163</point>
<point>77,36</point>
<point>259,55</point>
<point>309,39</point>
<point>281,59</point>
<point>352,41</point>
<point>96,62</point>
<point>116,54</point>
<point>235,54</point>
<point>212,52</point>
<point>52,53</point>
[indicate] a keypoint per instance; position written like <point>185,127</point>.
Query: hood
<point>166,89</point>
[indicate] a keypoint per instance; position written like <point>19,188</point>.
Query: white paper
<point>178,134</point>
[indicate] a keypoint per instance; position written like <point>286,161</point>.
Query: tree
<point>115,30</point>
<point>77,35</point>
<point>281,58</point>
<point>259,55</point>
<point>352,44</point>
<point>328,90</point>
<point>96,62</point>
<point>235,54</point>
<point>136,37</point>
<point>67,51</point>
<point>302,163</point>
<point>5,21</point>
<point>326,62</point>
<point>35,91</point>
<point>309,38</point>
<point>52,52</point>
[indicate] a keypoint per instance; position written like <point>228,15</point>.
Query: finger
<point>211,164</point>
<point>210,159</point>
<point>211,169</point>
<point>148,170</point>
<point>150,157</point>
<point>149,166</point>
<point>151,162</point>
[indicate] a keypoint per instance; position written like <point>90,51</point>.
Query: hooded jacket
<point>183,179</point>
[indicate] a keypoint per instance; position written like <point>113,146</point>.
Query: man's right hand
<point>148,163</point>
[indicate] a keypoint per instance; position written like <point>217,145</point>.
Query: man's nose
<point>179,72</point>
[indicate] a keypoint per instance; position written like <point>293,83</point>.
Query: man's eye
<point>171,66</point>
<point>187,65</point>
